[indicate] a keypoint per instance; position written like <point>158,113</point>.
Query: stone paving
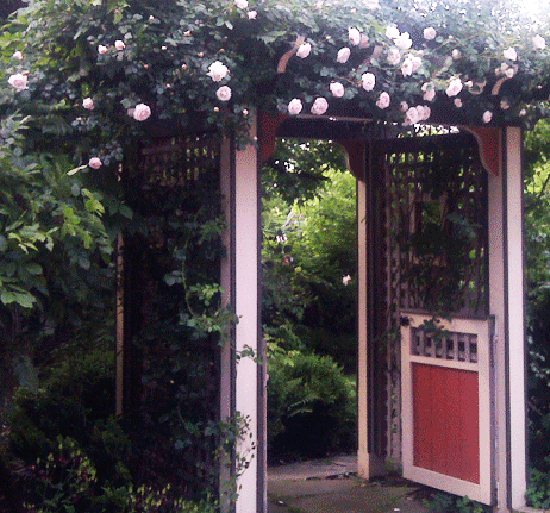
<point>331,486</point>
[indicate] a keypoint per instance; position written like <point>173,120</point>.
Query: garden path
<point>331,485</point>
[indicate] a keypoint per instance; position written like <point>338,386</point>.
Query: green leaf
<point>126,211</point>
<point>34,269</point>
<point>77,169</point>
<point>7,297</point>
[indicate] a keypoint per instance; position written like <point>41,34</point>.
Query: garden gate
<point>429,201</point>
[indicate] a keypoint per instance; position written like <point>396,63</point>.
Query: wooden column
<point>243,381</point>
<point>369,463</point>
<point>515,315</point>
<point>506,303</point>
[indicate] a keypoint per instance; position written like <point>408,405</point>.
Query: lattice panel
<point>436,221</point>
<point>459,347</point>
<point>170,182</point>
<point>174,163</point>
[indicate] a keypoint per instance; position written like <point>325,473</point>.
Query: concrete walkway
<point>331,486</point>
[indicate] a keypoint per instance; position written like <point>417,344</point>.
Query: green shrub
<point>66,482</point>
<point>538,493</point>
<point>77,404</point>
<point>78,393</point>
<point>442,502</point>
<point>311,406</point>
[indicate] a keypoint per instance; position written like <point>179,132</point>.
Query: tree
<point>310,234</point>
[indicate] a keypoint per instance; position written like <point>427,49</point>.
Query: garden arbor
<point>99,69</point>
<point>450,409</point>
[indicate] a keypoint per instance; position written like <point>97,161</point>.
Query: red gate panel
<point>446,421</point>
<point>446,405</point>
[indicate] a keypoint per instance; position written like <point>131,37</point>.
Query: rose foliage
<point>100,71</point>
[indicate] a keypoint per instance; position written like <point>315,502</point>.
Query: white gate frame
<point>481,492</point>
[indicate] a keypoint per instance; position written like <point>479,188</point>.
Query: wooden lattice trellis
<point>166,183</point>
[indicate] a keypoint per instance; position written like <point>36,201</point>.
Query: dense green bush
<point>310,251</point>
<point>76,403</point>
<point>538,493</point>
<point>311,406</point>
<point>65,448</point>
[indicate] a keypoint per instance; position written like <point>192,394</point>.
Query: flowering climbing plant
<point>105,70</point>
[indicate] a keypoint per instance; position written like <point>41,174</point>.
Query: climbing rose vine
<point>86,65</point>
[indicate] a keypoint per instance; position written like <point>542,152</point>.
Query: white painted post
<point>240,279</point>
<point>363,463</point>
<point>248,250</point>
<point>515,314</point>
<point>506,303</point>
<point>496,308</point>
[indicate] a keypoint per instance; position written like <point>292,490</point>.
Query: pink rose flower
<point>17,55</point>
<point>369,81</point>
<point>252,15</point>
<point>319,107</point>
<point>403,106</point>
<point>241,4</point>
<point>394,56</point>
<point>141,112</point>
<point>102,49</point>
<point>487,116</point>
<point>88,103</point>
<point>18,81</point>
<point>95,162</point>
<point>383,101</point>
<point>539,43</point>
<point>224,93</point>
<point>119,45</point>
<point>304,50</point>
<point>455,54</point>
<point>424,112</point>
<point>392,32</point>
<point>217,71</point>
<point>343,55</point>
<point>407,67</point>
<point>458,103</point>
<point>337,89</point>
<point>354,36</point>
<point>455,86</point>
<point>295,106</point>
<point>429,33</point>
<point>511,54</point>
<point>412,116</point>
<point>403,42</point>
<point>429,95</point>
<point>364,42</point>
<point>372,4</point>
